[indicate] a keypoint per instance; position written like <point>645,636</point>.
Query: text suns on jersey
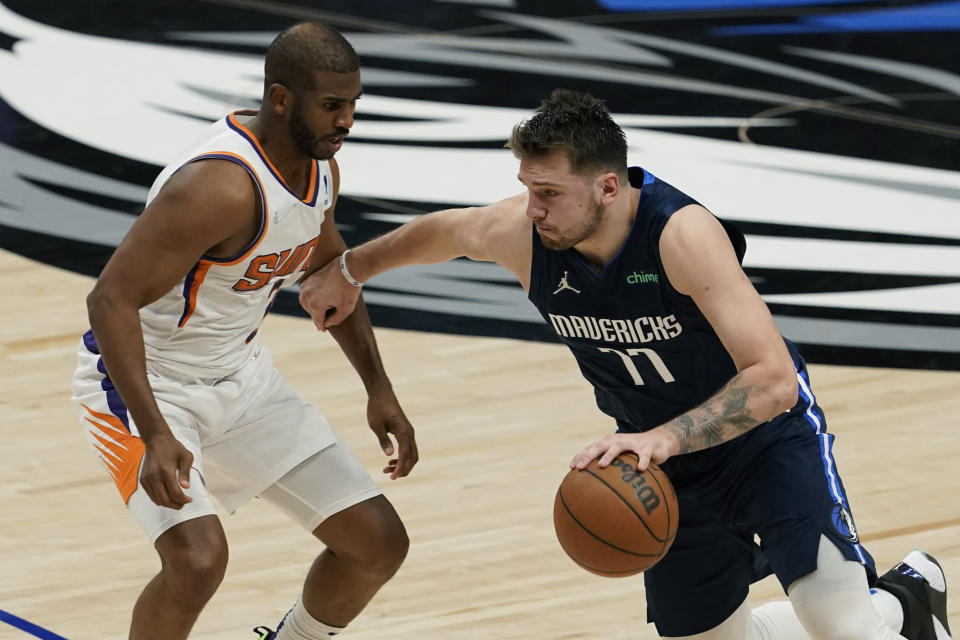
<point>264,268</point>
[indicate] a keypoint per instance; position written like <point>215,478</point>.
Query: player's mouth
<point>335,141</point>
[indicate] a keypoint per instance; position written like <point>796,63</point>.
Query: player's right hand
<point>166,471</point>
<point>650,446</point>
<point>327,296</point>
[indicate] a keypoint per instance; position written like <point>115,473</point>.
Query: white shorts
<point>246,431</point>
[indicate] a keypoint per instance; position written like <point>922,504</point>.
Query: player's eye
<point>549,193</point>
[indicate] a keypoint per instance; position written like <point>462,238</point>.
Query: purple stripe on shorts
<point>114,401</point>
<point>90,342</point>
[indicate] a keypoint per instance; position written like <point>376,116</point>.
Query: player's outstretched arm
<point>496,233</point>
<point>700,262</point>
<point>202,206</point>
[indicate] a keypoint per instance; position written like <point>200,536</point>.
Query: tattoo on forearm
<point>723,417</point>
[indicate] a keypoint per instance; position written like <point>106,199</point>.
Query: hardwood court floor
<point>497,422</point>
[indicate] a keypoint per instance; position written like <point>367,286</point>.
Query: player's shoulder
<point>691,231</point>
<point>207,182</point>
<point>688,222</point>
<point>499,227</point>
<point>509,211</point>
<point>515,202</point>
<point>507,230</point>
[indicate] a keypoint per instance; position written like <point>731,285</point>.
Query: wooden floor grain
<point>497,422</point>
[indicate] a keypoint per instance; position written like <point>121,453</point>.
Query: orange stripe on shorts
<point>120,451</point>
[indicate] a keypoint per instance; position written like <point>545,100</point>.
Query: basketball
<point>617,521</point>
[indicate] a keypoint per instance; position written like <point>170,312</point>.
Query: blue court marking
<point>693,5</point>
<point>29,627</point>
<point>935,16</point>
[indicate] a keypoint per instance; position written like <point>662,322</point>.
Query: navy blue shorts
<point>748,508</point>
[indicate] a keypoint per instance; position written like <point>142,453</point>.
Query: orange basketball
<point>616,521</point>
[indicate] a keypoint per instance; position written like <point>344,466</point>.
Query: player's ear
<point>279,98</point>
<point>609,184</point>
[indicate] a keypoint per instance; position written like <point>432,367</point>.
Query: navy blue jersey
<point>651,355</point>
<point>648,351</point>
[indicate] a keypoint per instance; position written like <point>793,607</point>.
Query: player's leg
<point>796,498</point>
<point>282,449</point>
<point>332,495</point>
<point>808,537</point>
<point>735,627</point>
<point>193,557</point>
<point>834,603</point>
<point>834,597</point>
<point>836,592</point>
<point>366,544</point>
<point>699,588</point>
<point>190,541</point>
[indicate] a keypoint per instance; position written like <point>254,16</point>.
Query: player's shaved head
<point>298,51</point>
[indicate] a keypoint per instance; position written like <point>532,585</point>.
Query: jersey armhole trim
<point>264,213</point>
<point>191,285</point>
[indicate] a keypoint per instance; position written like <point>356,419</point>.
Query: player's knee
<point>833,602</point>
<point>378,541</point>
<point>839,629</point>
<point>850,622</point>
<point>387,547</point>
<point>195,572</point>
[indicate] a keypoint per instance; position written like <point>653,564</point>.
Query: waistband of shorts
<point>258,358</point>
<point>167,371</point>
<point>186,373</point>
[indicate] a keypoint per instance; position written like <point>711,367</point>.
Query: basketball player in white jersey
<point>182,402</point>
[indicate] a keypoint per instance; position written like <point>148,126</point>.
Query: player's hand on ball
<point>651,446</point>
<point>616,521</point>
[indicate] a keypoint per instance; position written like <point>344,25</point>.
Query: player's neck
<point>602,245</point>
<point>289,162</point>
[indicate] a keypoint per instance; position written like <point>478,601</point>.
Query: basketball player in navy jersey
<point>178,396</point>
<point>645,287</point>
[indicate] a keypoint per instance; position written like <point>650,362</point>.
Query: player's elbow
<point>96,304</point>
<point>101,301</point>
<point>784,388</point>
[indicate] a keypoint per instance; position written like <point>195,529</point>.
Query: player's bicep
<point>701,262</point>
<point>199,208</point>
<point>497,233</point>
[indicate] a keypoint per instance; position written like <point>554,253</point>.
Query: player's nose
<point>345,119</point>
<point>535,211</point>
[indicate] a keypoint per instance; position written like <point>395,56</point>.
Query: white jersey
<point>206,325</point>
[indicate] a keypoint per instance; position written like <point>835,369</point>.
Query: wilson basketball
<point>616,521</point>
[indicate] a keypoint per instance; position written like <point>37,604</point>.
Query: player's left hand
<point>386,417</point>
<point>650,446</point>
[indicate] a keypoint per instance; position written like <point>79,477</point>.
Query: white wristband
<point>346,272</point>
